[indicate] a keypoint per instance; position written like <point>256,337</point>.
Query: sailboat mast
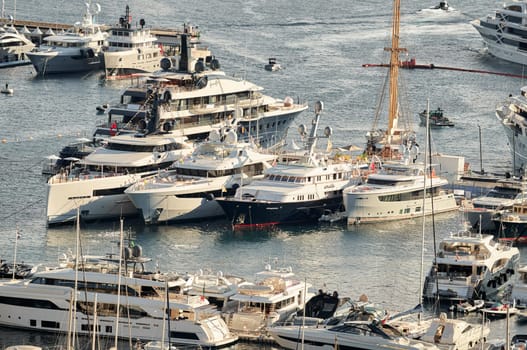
<point>394,69</point>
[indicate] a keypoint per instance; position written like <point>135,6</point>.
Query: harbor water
<point>321,47</point>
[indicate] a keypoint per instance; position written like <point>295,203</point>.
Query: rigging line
<point>19,210</point>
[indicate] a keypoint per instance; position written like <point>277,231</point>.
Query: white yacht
<point>275,295</point>
<point>471,266</point>
<point>511,114</point>
<point>131,49</point>
<point>480,211</point>
<point>14,47</point>
<point>519,288</point>
<point>396,192</point>
<point>46,303</point>
<point>77,50</point>
<point>187,190</point>
<point>193,96</point>
<point>504,32</point>
<point>96,183</point>
<point>348,335</point>
<point>295,191</point>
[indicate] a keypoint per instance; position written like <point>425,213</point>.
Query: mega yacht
<point>504,32</point>
<point>14,47</point>
<point>511,114</point>
<point>64,300</point>
<point>275,295</point>
<point>481,210</point>
<point>396,191</point>
<point>96,183</point>
<point>131,49</point>
<point>77,50</point>
<point>471,266</point>
<point>187,190</point>
<point>194,97</point>
<point>294,191</point>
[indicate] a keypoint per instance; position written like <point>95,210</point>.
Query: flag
<point>274,162</point>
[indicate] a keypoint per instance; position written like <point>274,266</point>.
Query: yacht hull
<point>247,213</point>
<point>98,198</point>
<point>52,63</point>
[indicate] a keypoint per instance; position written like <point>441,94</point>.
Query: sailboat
<point>394,191</point>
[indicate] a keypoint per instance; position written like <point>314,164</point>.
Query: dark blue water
<point>322,46</point>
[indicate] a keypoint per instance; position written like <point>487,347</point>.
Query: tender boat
<point>510,114</point>
<point>273,65</point>
<point>468,306</point>
<point>504,31</point>
<point>471,266</point>
<point>97,182</point>
<point>131,49</point>
<point>44,303</point>
<point>500,310</point>
<point>443,6</point>
<point>482,211</point>
<point>13,48</point>
<point>77,50</point>
<point>297,191</point>
<point>187,190</point>
<point>436,117</point>
<point>6,90</point>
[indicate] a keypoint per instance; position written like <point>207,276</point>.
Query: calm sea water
<point>322,46</point>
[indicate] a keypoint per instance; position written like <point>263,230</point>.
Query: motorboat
<point>510,114</point>
<point>471,266</point>
<point>126,307</point>
<point>273,65</point>
<point>77,50</point>
<point>13,48</point>
<point>511,223</point>
<point>295,191</point>
<point>456,333</point>
<point>395,191</point>
<point>500,310</point>
<point>6,90</point>
<point>131,49</point>
<point>186,191</point>
<point>443,6</point>
<point>436,118</point>
<point>349,335</point>
<point>96,183</point>
<point>519,288</point>
<point>468,306</point>
<point>193,97</point>
<point>273,297</point>
<point>503,32</point>
<point>480,211</point>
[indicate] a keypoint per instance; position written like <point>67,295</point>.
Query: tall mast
<point>394,68</point>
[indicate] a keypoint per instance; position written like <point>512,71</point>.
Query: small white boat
<point>7,90</point>
<point>468,306</point>
<point>500,310</point>
<point>272,66</point>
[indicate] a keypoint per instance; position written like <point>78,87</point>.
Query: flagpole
<point>16,244</point>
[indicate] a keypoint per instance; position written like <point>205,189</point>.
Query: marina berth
<point>471,266</point>
<point>504,31</point>
<point>126,307</point>
<point>77,50</point>
<point>299,190</point>
<point>187,190</point>
<point>96,184</point>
